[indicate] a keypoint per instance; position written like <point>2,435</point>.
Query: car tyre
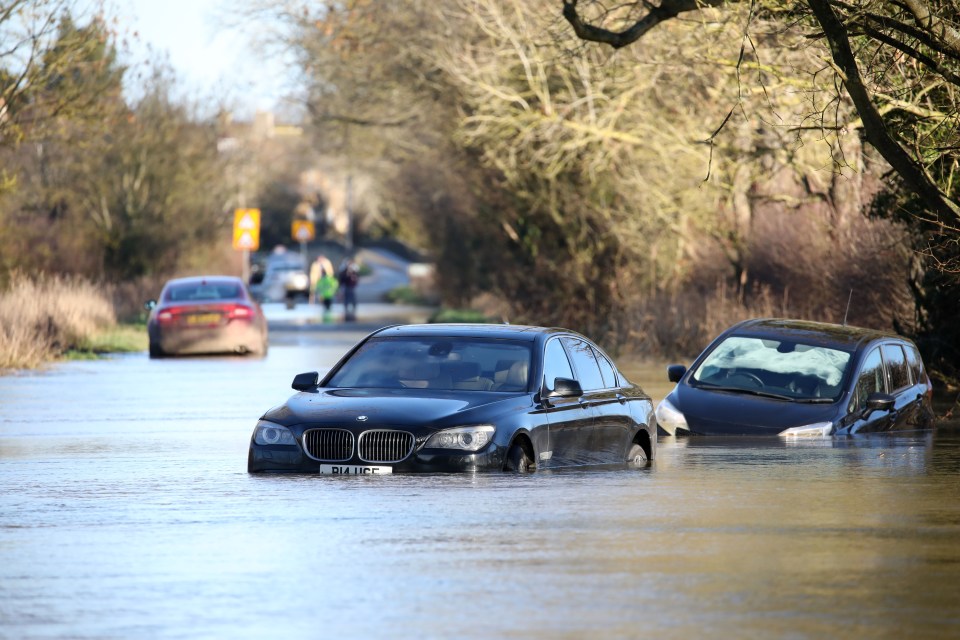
<point>636,457</point>
<point>518,460</point>
<point>156,352</point>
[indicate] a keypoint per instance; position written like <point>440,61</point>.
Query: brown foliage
<point>42,317</point>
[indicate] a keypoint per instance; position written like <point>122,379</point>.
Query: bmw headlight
<point>269,433</point>
<point>464,438</point>
<point>815,430</point>
<point>670,418</point>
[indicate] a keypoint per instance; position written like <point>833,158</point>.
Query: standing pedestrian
<point>323,281</point>
<point>349,276</point>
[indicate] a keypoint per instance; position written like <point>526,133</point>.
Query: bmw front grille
<point>331,445</point>
<point>385,445</point>
<point>380,446</point>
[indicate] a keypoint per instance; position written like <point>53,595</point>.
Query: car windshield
<point>203,291</point>
<point>455,363</point>
<point>774,367</point>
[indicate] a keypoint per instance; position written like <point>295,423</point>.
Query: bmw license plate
<point>353,470</point>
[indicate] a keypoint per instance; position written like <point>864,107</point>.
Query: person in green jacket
<point>325,283</point>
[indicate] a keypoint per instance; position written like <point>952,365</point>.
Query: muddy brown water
<point>126,511</point>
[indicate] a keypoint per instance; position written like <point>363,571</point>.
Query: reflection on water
<point>125,510</point>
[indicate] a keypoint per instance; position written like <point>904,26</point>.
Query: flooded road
<point>126,510</point>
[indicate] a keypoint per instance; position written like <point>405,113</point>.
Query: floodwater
<point>126,511</point>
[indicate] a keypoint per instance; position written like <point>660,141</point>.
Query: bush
<point>459,315</point>
<point>407,295</point>
<point>42,318</point>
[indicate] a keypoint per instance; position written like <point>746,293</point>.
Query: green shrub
<point>459,315</point>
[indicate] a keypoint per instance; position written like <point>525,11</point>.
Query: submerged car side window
<point>871,378</point>
<point>916,364</point>
<point>555,363</point>
<point>609,375</point>
<point>588,371</point>
<point>898,373</point>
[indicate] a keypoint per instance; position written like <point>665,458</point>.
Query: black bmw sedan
<point>424,398</point>
<point>795,378</point>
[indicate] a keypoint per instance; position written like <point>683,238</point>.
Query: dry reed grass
<point>42,317</point>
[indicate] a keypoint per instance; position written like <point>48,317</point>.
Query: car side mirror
<point>149,305</point>
<point>675,372</point>
<point>565,388</point>
<point>877,401</point>
<point>305,381</point>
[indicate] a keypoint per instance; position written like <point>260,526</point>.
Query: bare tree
<point>908,112</point>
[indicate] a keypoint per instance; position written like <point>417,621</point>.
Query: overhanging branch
<point>874,127</point>
<point>667,10</point>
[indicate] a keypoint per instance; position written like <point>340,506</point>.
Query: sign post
<point>246,235</point>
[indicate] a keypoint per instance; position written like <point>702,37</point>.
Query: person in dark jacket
<point>349,276</point>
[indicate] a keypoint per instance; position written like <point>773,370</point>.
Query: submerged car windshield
<point>776,368</point>
<point>456,363</point>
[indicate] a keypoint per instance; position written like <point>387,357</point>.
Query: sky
<point>213,62</point>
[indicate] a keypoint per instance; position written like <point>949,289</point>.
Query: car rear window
<point>442,363</point>
<point>203,291</point>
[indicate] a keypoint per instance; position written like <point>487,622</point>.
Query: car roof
<point>502,331</point>
<point>205,279</point>
<point>825,334</point>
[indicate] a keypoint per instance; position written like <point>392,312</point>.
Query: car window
<point>915,362</point>
<point>870,380</point>
<point>442,363</point>
<point>784,367</point>
<point>898,372</point>
<point>203,291</point>
<point>588,372</point>
<point>609,374</point>
<point>555,363</point>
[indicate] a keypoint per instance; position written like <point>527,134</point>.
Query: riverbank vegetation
<point>648,196</point>
<point>45,318</point>
<point>97,185</point>
<point>97,181</point>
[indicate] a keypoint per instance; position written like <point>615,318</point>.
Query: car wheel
<point>518,460</point>
<point>636,457</point>
<point>156,351</point>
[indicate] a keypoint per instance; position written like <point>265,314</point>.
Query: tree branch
<point>667,10</point>
<point>873,124</point>
<point>934,25</point>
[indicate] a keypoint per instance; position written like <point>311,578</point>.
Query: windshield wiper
<point>766,394</point>
<point>752,392</point>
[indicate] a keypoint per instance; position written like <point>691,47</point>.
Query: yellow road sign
<point>246,229</point>
<point>303,231</point>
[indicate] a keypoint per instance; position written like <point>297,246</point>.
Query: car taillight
<point>171,314</point>
<point>239,311</point>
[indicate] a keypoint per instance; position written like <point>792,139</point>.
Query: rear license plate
<point>353,470</point>
<point>204,318</point>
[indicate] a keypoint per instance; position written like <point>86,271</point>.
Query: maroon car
<point>206,314</point>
